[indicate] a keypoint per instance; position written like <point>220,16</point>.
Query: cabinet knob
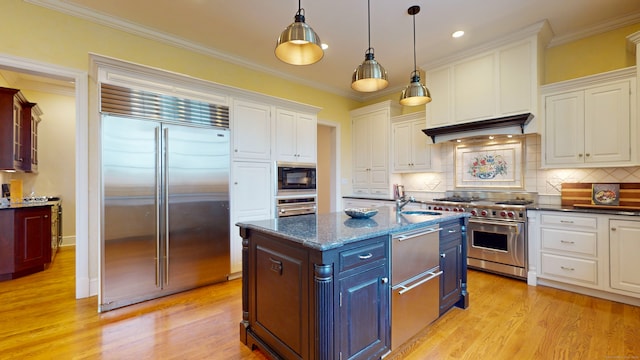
<point>613,229</point>
<point>579,155</point>
<point>588,155</point>
<point>384,280</point>
<point>235,150</point>
<point>443,255</point>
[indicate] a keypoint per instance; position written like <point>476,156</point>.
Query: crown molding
<point>152,34</point>
<point>598,29</point>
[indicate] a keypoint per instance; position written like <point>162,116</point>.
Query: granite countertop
<point>327,231</point>
<point>28,204</point>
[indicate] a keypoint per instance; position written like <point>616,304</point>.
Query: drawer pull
<point>451,231</point>
<point>567,242</point>
<point>567,268</point>
<point>276,266</point>
<point>443,255</point>
<point>566,221</point>
<point>366,256</point>
<point>384,280</point>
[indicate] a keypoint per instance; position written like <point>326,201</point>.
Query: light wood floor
<point>40,319</point>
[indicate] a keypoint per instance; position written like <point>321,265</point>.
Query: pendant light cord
<point>415,69</point>
<point>369,22</point>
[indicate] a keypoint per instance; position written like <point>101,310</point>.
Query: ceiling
<point>245,31</point>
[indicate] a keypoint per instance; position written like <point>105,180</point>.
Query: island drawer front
<point>569,268</point>
<point>363,255</point>
<point>577,242</point>
<point>569,221</point>
<point>450,231</point>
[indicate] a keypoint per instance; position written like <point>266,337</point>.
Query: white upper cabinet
<point>251,129</point>
<point>591,122</point>
<point>492,82</point>
<point>296,136</point>
<point>412,149</point>
<point>371,127</point>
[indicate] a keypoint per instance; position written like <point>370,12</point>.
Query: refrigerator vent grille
<point>125,101</point>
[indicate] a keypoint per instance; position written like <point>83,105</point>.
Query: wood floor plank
<point>40,319</point>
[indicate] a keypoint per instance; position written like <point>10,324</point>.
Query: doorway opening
<point>328,167</point>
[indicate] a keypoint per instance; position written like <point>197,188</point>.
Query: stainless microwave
<point>293,178</point>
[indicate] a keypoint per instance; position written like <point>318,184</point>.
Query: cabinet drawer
<point>450,231</point>
<point>575,269</point>
<point>569,221</point>
<point>576,242</point>
<point>363,255</point>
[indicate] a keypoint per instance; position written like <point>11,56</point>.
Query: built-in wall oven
<point>296,189</point>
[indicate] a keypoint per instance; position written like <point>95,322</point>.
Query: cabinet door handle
<point>384,280</point>
<point>276,266</point>
<point>365,256</point>
<point>566,221</point>
<point>567,268</point>
<point>452,231</point>
<point>443,255</point>
<point>567,242</point>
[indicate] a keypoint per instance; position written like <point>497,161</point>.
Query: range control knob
<point>503,213</point>
<point>511,214</point>
<point>484,213</point>
<point>474,213</point>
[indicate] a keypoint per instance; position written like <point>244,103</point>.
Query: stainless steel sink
<point>419,212</point>
<point>416,216</point>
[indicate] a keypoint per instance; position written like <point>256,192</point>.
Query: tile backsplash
<point>546,182</point>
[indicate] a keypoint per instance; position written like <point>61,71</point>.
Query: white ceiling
<point>245,31</point>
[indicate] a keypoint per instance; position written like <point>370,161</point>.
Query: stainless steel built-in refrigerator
<point>165,208</point>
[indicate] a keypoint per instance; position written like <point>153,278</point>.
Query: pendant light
<point>370,75</point>
<point>415,93</point>
<point>299,44</point>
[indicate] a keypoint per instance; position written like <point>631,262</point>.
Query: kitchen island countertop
<point>327,231</point>
<point>28,204</point>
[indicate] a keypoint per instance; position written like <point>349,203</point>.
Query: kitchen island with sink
<point>322,286</point>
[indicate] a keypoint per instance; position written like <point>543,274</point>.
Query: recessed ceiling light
<point>324,46</point>
<point>457,34</point>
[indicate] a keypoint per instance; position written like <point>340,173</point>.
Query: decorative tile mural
<point>546,182</point>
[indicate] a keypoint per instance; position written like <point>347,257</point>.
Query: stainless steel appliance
<point>292,206</point>
<point>295,178</point>
<point>165,205</point>
<point>415,285</point>
<point>497,230</point>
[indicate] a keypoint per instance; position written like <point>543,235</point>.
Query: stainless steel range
<point>497,231</point>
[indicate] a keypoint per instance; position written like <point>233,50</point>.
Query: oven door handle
<point>498,223</point>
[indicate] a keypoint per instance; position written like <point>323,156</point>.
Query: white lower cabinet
<point>624,240</point>
<point>590,253</point>
<point>251,199</point>
<point>569,249</point>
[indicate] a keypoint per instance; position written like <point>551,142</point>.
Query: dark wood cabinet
<point>25,242</point>
<point>19,120</point>
<point>364,322</point>
<point>305,303</point>
<point>452,255</point>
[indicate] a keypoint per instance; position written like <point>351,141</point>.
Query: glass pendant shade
<point>370,75</point>
<point>299,44</point>
<point>415,93</point>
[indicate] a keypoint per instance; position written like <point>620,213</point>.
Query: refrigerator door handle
<point>158,190</point>
<point>165,180</point>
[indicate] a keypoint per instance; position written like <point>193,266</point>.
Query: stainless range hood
<point>508,125</point>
